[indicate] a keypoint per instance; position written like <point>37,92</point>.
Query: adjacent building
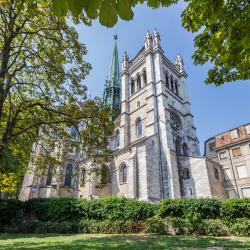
<point>231,150</point>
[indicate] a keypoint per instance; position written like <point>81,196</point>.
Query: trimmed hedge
<point>122,215</point>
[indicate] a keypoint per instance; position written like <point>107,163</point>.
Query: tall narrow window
<point>167,80</point>
<point>138,127</point>
<point>176,87</point>
<point>123,173</point>
<point>172,83</point>
<point>178,147</point>
<point>117,139</point>
<point>185,174</point>
<point>49,176</point>
<point>68,175</point>
<point>132,87</point>
<point>185,149</point>
<point>138,82</point>
<point>104,175</point>
<point>144,75</point>
<point>83,178</point>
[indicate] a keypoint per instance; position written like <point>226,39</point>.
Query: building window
<point>176,87</point>
<point>216,174</point>
<point>167,80</point>
<point>123,173</point>
<point>175,123</point>
<point>172,82</point>
<point>236,152</point>
<point>138,82</point>
<point>138,127</point>
<point>68,175</point>
<point>246,192</point>
<point>185,149</point>
<point>117,138</point>
<point>223,155</point>
<point>227,174</point>
<point>144,76</point>
<point>49,176</point>
<point>83,178</point>
<point>104,175</point>
<point>231,193</point>
<point>132,87</point>
<point>138,104</point>
<point>178,147</point>
<point>185,174</point>
<point>242,171</point>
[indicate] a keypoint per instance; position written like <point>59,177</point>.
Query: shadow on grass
<point>85,241</point>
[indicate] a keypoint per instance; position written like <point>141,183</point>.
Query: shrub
<point>193,222</point>
<point>175,225</point>
<point>207,208</point>
<point>240,227</point>
<point>155,225</point>
<point>235,208</point>
<point>214,227</point>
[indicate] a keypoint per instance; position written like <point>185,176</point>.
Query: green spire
<point>114,77</point>
<point>112,90</point>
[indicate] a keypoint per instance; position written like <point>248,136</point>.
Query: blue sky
<point>215,109</point>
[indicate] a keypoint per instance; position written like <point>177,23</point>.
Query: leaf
<point>108,13</point>
<point>60,7</point>
<point>76,6</point>
<point>92,8</point>
<point>124,10</point>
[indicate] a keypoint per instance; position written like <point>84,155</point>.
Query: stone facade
<point>231,150</point>
<point>155,147</point>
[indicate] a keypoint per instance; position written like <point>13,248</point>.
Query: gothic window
<point>167,80</point>
<point>138,127</point>
<point>185,174</point>
<point>49,176</point>
<point>178,147</point>
<point>117,138</point>
<point>123,173</point>
<point>172,82</point>
<point>138,82</point>
<point>176,87</point>
<point>144,75</point>
<point>132,87</point>
<point>216,173</point>
<point>68,175</point>
<point>83,178</point>
<point>175,123</point>
<point>104,175</point>
<point>185,149</point>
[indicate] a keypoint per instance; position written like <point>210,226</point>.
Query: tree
<point>41,69</point>
<point>224,38</point>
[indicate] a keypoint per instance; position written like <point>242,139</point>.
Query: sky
<point>215,109</point>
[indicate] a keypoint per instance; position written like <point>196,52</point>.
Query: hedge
<point>123,215</point>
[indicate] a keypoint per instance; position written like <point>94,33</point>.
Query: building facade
<point>155,147</point>
<point>231,150</point>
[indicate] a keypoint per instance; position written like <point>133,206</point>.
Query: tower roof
<point>114,76</point>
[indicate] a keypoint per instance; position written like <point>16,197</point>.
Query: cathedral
<point>155,149</point>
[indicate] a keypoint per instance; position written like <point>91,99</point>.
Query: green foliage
<point>155,225</point>
<point>240,227</point>
<point>206,208</point>
<point>214,227</point>
<point>235,208</point>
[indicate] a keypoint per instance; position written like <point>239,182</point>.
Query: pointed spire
<point>114,77</point>
<point>125,61</point>
<point>179,64</point>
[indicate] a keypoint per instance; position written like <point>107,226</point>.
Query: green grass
<point>88,241</point>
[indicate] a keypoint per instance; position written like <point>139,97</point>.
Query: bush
<point>155,225</point>
<point>175,226</point>
<point>240,227</point>
<point>235,208</point>
<point>193,222</point>
<point>207,208</point>
<point>214,227</point>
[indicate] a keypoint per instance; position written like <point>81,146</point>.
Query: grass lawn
<point>100,241</point>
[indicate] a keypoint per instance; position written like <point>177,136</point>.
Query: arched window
<point>138,127</point>
<point>117,138</point>
<point>144,76</point>
<point>176,87</point>
<point>185,174</point>
<point>178,147</point>
<point>185,149</point>
<point>49,176</point>
<point>138,82</point>
<point>172,82</point>
<point>175,123</point>
<point>68,175</point>
<point>83,178</point>
<point>216,173</point>
<point>132,87</point>
<point>167,80</point>
<point>123,174</point>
